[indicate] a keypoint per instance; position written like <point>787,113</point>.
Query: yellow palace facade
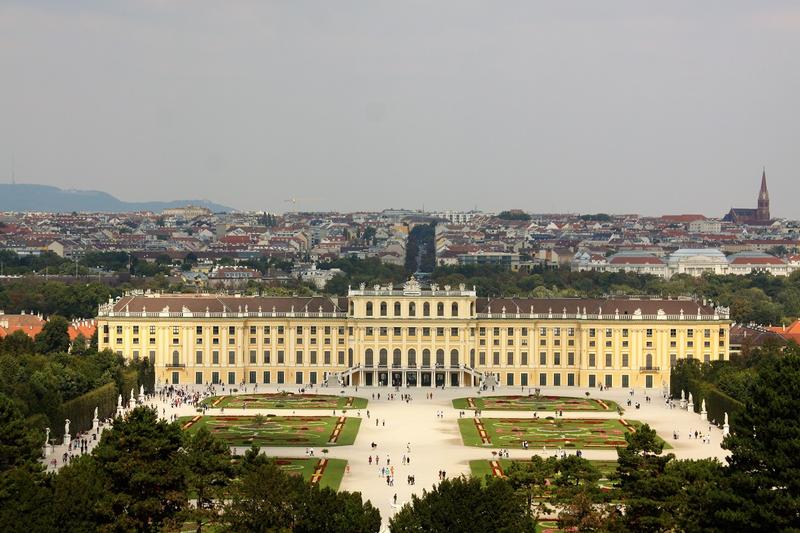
<point>412,336</point>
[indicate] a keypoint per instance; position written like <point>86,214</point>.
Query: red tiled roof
<point>760,260</point>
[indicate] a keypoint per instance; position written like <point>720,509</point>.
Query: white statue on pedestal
<point>690,406</point>
<point>133,400</point>
<point>47,442</point>
<point>703,413</point>
<point>67,438</point>
<point>120,409</point>
<point>141,393</point>
<point>726,429</point>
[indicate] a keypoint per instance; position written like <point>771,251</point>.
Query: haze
<point>648,107</point>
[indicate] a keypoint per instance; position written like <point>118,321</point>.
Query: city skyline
<point>620,109</point>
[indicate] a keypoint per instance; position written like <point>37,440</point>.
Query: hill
<point>30,197</point>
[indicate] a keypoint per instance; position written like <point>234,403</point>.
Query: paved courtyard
<point>436,443</point>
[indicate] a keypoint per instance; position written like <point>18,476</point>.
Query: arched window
<point>439,358</point>
<point>472,358</point>
<point>649,360</point>
<point>176,358</point>
<point>383,308</point>
<point>368,361</point>
<point>369,308</point>
<point>383,357</point>
<point>472,309</point>
<point>396,358</point>
<point>412,309</point>
<point>453,358</point>
<point>397,311</point>
<point>440,309</point>
<point>426,358</point>
<point>412,358</point>
<point>349,357</point>
<point>454,309</point>
<point>426,309</point>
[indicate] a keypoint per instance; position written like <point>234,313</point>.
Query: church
<point>756,217</point>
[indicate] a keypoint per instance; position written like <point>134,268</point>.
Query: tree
<point>465,505</point>
<point>643,486</point>
<point>577,493</point>
<point>54,336</point>
<point>25,501</point>
<point>765,446</point>
<point>140,455</point>
<point>18,445</point>
<point>209,470</point>
<point>79,493</point>
<point>18,343</point>
<point>265,499</point>
<point>530,480</point>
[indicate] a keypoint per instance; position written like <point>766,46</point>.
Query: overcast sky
<point>649,107</point>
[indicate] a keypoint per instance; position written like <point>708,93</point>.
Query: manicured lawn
<point>286,400</point>
<point>534,403</point>
<point>482,467</point>
<point>332,474</point>
<point>278,430</point>
<point>597,433</point>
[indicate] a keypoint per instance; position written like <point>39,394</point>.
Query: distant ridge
<point>29,197</point>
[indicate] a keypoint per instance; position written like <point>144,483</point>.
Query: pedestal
<point>690,407</point>
<point>95,424</point>
<point>67,439</point>
<point>726,430</point>
<point>120,411</point>
<point>703,416</point>
<point>48,449</point>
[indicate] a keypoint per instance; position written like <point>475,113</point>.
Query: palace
<point>413,336</point>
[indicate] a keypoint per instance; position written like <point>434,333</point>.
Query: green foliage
<point>41,384</point>
<point>513,214</point>
<point>71,300</point>
<point>599,217</point>
<point>209,470</point>
<point>19,446</point>
<point>642,483</point>
<point>369,271</point>
<point>266,499</point>
<point>465,505</point>
<point>139,455</point>
<point>703,381</point>
<point>765,446</point>
<point>54,336</point>
<point>80,410</point>
<point>420,249</point>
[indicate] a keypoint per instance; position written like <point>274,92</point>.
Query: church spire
<point>763,199</point>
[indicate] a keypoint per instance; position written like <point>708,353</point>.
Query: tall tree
<point>209,470</point>
<point>465,505</point>
<point>765,447</point>
<point>643,486</point>
<point>140,455</point>
<point>54,337</point>
<point>19,445</point>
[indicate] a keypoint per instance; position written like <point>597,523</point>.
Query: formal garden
<point>261,430</point>
<point>535,402</point>
<point>316,470</point>
<point>550,432</point>
<point>286,400</point>
<point>497,468</point>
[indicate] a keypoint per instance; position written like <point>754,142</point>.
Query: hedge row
<point>717,402</point>
<point>80,410</point>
